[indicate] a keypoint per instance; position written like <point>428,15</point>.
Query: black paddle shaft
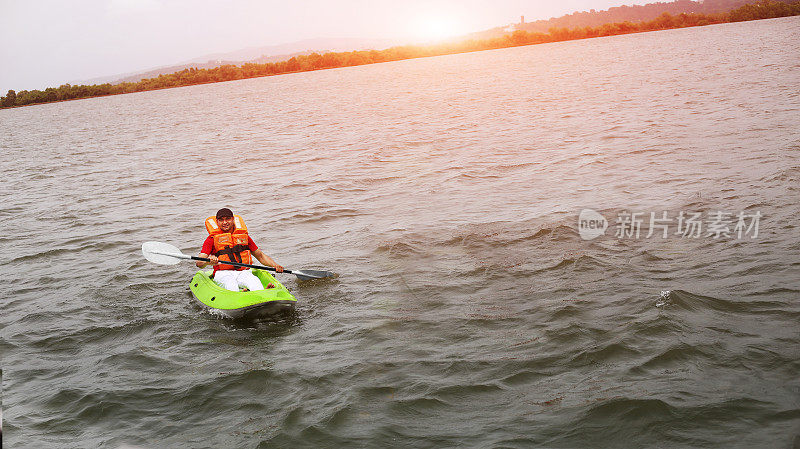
<point>237,264</point>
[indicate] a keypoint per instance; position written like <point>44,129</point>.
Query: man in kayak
<point>228,241</point>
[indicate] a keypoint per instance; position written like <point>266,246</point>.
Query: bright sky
<point>45,43</point>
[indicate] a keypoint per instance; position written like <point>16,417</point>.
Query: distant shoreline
<point>191,77</point>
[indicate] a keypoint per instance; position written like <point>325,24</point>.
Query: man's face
<point>225,223</point>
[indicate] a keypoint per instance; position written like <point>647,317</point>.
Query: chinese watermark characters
<point>693,225</point>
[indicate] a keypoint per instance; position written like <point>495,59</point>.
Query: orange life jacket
<point>229,246</point>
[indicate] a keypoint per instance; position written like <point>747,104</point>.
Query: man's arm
<point>202,264</point>
<point>208,247</point>
<point>266,260</point>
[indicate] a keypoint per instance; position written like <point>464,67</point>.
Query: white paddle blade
<point>162,253</point>
<point>305,275</point>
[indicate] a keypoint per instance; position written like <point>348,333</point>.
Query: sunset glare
<point>433,28</point>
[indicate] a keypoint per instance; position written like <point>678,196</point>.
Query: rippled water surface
<point>445,193</point>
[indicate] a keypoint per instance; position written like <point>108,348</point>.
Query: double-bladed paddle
<point>166,254</point>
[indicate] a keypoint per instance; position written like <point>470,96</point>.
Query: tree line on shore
<point>761,10</point>
<point>633,13</point>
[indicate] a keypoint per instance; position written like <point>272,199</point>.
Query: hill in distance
<point>260,55</point>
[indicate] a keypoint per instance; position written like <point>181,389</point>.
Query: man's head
<point>225,219</point>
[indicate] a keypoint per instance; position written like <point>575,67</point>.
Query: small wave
<point>11,211</point>
<point>70,343</point>
<point>624,409</point>
<point>418,405</point>
<point>320,216</point>
<point>603,353</point>
<point>517,166</point>
<point>404,249</point>
<point>565,313</point>
<point>642,151</point>
<point>452,392</point>
<point>581,263</point>
<point>684,300</point>
<point>523,377</point>
<point>473,176</point>
<point>787,175</point>
<point>676,356</point>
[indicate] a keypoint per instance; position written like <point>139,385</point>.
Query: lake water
<point>445,193</point>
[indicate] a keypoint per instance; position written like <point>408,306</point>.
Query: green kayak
<point>242,304</point>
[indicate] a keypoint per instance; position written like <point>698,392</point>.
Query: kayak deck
<point>242,304</point>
